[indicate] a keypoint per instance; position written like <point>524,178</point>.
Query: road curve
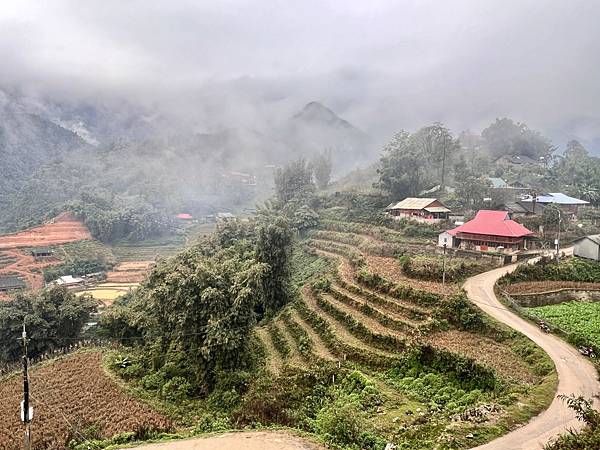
<point>576,375</point>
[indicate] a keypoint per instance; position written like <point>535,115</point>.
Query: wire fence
<point>9,369</point>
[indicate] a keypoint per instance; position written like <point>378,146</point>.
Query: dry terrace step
<point>340,330</point>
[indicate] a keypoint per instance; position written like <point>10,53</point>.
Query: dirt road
<point>249,440</point>
<point>576,375</point>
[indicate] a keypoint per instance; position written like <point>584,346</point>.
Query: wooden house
<point>488,231</point>
<point>11,283</point>
<point>428,210</point>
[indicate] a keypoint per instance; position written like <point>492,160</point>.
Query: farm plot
<point>363,312</point>
<point>535,287</point>
<point>108,292</point>
<point>73,397</point>
<point>64,228</point>
<point>129,272</point>
<point>579,319</point>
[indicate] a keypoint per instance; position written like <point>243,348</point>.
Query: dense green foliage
<point>294,182</point>
<point>273,248</point>
<point>75,267</point>
<point>195,311</point>
<point>573,269</point>
<point>54,318</point>
<point>579,172</point>
<point>111,218</point>
<point>413,162</point>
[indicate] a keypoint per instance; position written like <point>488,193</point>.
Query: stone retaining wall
<point>532,300</point>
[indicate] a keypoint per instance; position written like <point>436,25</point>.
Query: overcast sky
<point>382,64</point>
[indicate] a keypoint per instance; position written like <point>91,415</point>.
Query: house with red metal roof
<point>488,231</point>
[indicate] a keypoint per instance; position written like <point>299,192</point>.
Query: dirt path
<point>247,440</point>
<point>576,375</point>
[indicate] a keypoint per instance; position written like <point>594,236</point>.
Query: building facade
<point>488,231</point>
<point>588,247</point>
<point>427,210</point>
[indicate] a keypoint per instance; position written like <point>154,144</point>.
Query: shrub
<point>176,389</point>
<point>340,423</point>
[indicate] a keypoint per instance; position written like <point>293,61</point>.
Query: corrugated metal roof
<point>11,282</point>
<point>498,182</point>
<point>436,209</point>
<point>414,203</point>
<point>493,223</point>
<point>558,198</point>
<point>592,237</point>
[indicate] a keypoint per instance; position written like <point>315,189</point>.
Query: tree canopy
<point>505,137</point>
<point>54,318</point>
<point>413,162</point>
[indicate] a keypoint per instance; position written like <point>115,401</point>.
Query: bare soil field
<point>25,267</point>
<point>129,272</point>
<point>62,229</point>
<point>70,395</point>
<point>390,268</point>
<point>485,351</point>
<point>535,287</point>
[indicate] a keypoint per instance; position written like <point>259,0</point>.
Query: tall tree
<point>196,312</point>
<point>402,171</point>
<point>505,137</point>
<point>294,182</point>
<point>273,248</point>
<point>438,147</point>
<point>322,165</point>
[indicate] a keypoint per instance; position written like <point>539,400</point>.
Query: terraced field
<point>366,313</point>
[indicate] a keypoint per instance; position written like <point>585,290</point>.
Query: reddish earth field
<point>62,229</point>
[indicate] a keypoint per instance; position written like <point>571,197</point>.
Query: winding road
<point>576,375</point>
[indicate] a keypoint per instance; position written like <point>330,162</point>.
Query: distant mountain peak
<point>316,112</point>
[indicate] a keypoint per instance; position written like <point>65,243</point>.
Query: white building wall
<point>586,248</point>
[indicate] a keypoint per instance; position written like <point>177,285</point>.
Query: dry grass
<point>485,351</point>
<point>390,268</point>
<point>70,396</point>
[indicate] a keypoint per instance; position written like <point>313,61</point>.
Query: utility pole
<point>26,410</point>
<point>558,238</point>
<point>444,264</point>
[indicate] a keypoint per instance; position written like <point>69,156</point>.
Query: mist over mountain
<point>54,151</point>
<point>317,127</point>
<point>28,141</point>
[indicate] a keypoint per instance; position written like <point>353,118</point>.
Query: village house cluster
<point>494,230</point>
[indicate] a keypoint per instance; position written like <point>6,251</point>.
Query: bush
<point>340,423</point>
<point>176,389</point>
